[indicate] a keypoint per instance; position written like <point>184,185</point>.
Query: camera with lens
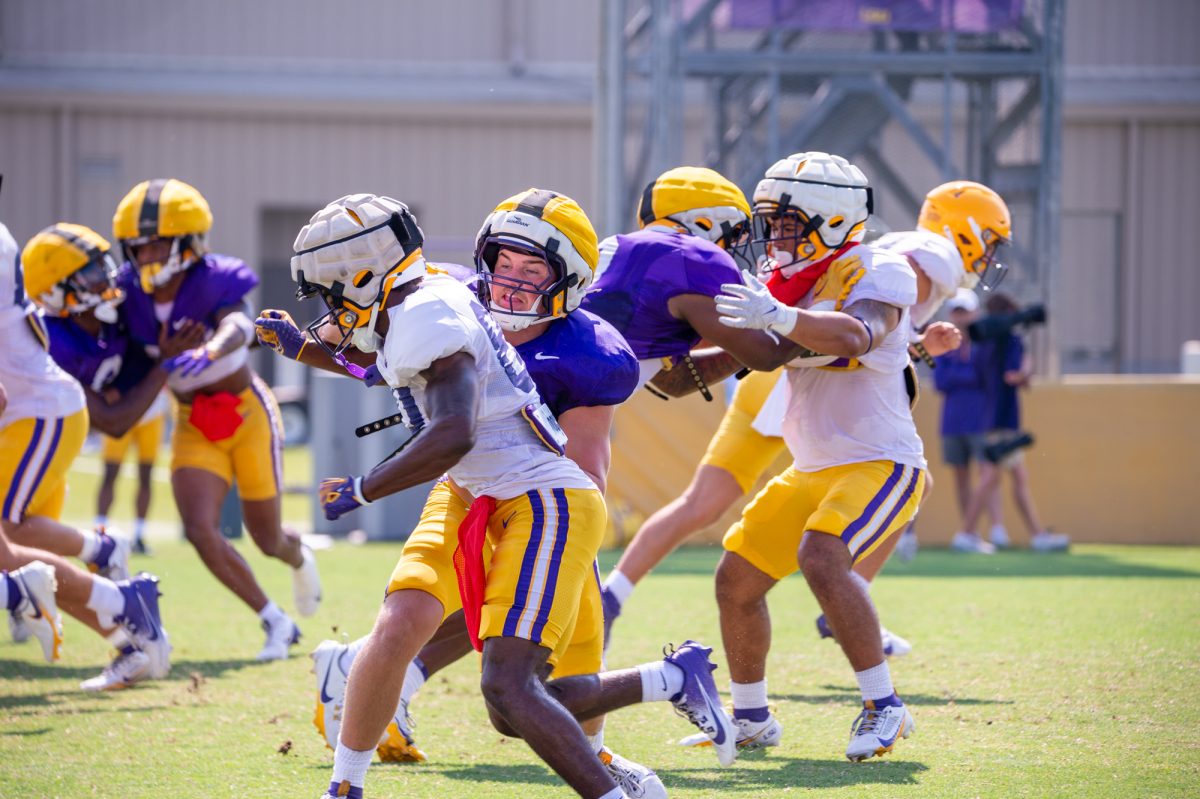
<point>999,325</point>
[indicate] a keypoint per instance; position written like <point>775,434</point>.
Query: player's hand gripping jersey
<point>643,271</point>
<point>212,283</point>
<point>510,456</point>
<point>855,410</point>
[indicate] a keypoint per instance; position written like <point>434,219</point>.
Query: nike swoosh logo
<point>541,356</point>
<point>504,524</point>
<point>325,697</point>
<point>714,712</point>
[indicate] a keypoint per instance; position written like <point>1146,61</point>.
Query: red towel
<point>216,415</point>
<point>468,564</point>
<point>790,290</point>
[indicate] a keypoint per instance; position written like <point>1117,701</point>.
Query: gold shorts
<point>35,455</point>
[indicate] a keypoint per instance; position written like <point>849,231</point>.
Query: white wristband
<point>358,492</point>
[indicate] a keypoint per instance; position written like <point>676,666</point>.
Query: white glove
<point>752,306</point>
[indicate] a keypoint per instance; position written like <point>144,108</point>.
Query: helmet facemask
<point>91,287</point>
<point>980,257</point>
<point>527,303</point>
<point>181,253</point>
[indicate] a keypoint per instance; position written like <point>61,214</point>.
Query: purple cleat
<point>699,700</point>
<point>142,621</point>
<point>823,628</point>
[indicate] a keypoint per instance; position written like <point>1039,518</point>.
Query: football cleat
<point>908,545</point>
<point>125,670</point>
<point>331,672</point>
<point>306,583</point>
<point>342,790</point>
<point>115,566</point>
<point>18,628</point>
<point>750,734</point>
<point>1050,542</point>
<point>877,729</point>
<point>634,779</point>
<point>699,701</point>
<point>894,645</point>
<point>999,537</point>
<point>280,636</point>
<point>141,619</point>
<point>37,612</point>
<point>971,542</point>
<point>398,744</point>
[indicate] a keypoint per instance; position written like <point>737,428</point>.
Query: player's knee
<point>820,563</point>
<point>499,723</point>
<point>505,689</point>
<point>731,589</point>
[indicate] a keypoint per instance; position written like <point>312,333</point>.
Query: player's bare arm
<point>233,330</point>
<point>711,365</point>
<point>588,430</point>
<point>752,348</point>
<point>452,394</point>
<point>848,333</point>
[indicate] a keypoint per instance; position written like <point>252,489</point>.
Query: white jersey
<point>35,384</point>
<point>439,319</point>
<point>938,258</point>
<point>847,410</point>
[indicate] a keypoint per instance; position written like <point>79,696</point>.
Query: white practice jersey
<point>441,318</point>
<point>35,384</point>
<point>938,258</point>
<point>855,410</point>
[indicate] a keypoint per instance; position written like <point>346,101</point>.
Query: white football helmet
<point>352,253</point>
<point>824,196</point>
<point>552,227</point>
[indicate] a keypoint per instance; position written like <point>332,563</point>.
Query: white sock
<point>596,741</point>
<point>118,638</point>
<point>272,614</point>
<point>619,586</point>
<point>615,793</point>
<point>414,678</point>
<point>106,600</point>
<point>875,683</point>
<point>139,529</point>
<point>101,520</point>
<point>660,680</point>
<point>91,545</point>
<point>748,695</point>
<point>351,764</point>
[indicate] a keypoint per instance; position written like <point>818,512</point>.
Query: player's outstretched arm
<point>711,365</point>
<point>751,347</point>
<point>451,396</point>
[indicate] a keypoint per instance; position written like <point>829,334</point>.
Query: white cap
<point>963,300</point>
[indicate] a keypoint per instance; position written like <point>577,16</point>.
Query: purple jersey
<point>648,268</point>
<point>110,361</point>
<point>213,283</point>
<point>578,361</point>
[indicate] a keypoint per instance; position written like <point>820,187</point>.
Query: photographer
<point>1006,368</point>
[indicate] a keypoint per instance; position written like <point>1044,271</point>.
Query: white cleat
<point>19,629</point>
<point>750,734</point>
<point>331,671</point>
<point>280,636</point>
<point>1050,542</point>
<point>634,779</point>
<point>876,730</point>
<point>999,537</point>
<point>125,670</point>
<point>306,583</point>
<point>908,545</point>
<point>37,610</point>
<point>893,645</point>
<point>971,542</point>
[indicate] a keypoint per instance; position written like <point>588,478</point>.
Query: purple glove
<point>277,330</point>
<point>340,495</point>
<point>190,362</point>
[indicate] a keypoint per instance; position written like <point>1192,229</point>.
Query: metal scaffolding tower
<point>674,72</point>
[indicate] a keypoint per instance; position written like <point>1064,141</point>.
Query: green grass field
<point>1061,675</point>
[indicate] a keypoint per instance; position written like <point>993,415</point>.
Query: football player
<point>959,229</point>
<point>858,467</point>
<point>71,274</point>
<point>583,369</point>
<point>478,419</point>
<point>43,420</point>
<point>227,424</point>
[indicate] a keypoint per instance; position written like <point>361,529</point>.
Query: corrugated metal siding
<point>370,30</point>
<point>1164,277</point>
<point>453,172</point>
<point>1144,33</point>
<point>28,147</point>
